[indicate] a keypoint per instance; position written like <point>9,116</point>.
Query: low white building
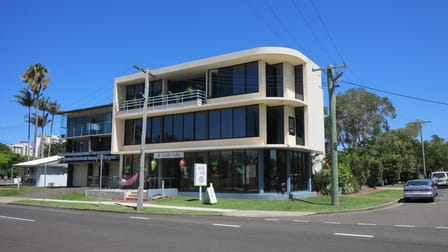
<point>47,172</point>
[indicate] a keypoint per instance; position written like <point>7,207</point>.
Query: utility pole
<point>141,175</point>
<point>333,140</point>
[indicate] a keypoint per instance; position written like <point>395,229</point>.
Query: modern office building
<point>88,146</point>
<point>255,117</point>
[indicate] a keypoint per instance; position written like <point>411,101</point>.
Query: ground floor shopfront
<point>251,172</point>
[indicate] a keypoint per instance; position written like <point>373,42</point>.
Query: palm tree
<point>25,98</point>
<point>53,108</point>
<point>37,80</point>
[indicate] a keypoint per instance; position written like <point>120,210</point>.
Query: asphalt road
<point>417,226</point>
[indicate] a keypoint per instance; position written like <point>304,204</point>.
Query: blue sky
<point>398,46</point>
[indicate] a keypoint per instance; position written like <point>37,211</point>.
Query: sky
<point>394,48</point>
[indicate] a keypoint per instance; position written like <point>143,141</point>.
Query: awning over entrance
<point>53,161</point>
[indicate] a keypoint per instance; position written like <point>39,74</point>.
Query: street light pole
<point>141,175</point>
<point>420,122</point>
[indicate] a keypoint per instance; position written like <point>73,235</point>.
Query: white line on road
<point>442,227</point>
<point>302,221</point>
<point>138,218</point>
<point>15,218</point>
<point>405,226</point>
<point>354,235</point>
<point>226,225</point>
<point>365,224</point>
<point>332,222</point>
<point>271,219</point>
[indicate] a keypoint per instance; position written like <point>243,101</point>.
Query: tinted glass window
<point>252,122</point>
<point>199,126</point>
<point>239,122</point>
<point>155,134</point>
<point>188,126</point>
<point>214,124</point>
<point>226,123</point>
<point>178,125</point>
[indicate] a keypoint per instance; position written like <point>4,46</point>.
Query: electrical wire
<point>396,94</point>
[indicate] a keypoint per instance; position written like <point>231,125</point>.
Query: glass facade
<point>275,131</point>
<point>274,80</point>
<point>94,124</point>
<point>298,81</point>
<point>221,124</point>
<point>229,171</point>
<point>233,80</point>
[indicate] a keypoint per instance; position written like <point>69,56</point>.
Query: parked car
<point>440,178</point>
<point>420,189</point>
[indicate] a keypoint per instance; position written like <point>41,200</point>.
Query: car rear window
<point>439,175</point>
<point>417,183</point>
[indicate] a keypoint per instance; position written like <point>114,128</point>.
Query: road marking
<point>226,225</point>
<point>15,218</point>
<point>138,218</point>
<point>301,221</point>
<point>366,224</point>
<point>354,235</point>
<point>270,219</point>
<point>405,226</point>
<point>332,222</point>
<point>442,227</point>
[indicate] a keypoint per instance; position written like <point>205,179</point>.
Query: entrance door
<point>170,173</point>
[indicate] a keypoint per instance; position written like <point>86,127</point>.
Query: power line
<point>396,94</point>
<point>284,26</point>
<point>312,31</point>
<point>326,30</point>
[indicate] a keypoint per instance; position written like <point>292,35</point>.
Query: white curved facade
<point>268,106</point>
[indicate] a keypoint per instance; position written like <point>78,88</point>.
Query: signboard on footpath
<point>210,196</point>
<point>200,174</point>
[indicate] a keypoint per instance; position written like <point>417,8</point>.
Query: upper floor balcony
<point>183,99</point>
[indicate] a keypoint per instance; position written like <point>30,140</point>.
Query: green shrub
<point>321,181</point>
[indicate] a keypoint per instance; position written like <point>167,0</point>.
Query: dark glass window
<point>275,125</point>
<point>239,122</point>
<point>299,171</point>
<point>275,171</point>
<point>252,121</point>
<point>188,127</point>
<point>239,80</point>
<point>155,130</point>
<point>274,80</point>
<point>252,77</point>
<point>214,124</point>
<point>234,80</point>
<point>292,126</point>
<point>298,80</point>
<point>137,131</point>
<point>300,126</point>
<point>129,132</point>
<point>226,123</point>
<point>178,126</point>
<point>199,126</point>
<point>167,129</point>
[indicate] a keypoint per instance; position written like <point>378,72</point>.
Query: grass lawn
<point>12,191</point>
<point>320,204</point>
<point>311,204</point>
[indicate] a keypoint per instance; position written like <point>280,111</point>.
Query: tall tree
<point>362,115</point>
<point>37,79</point>
<point>25,98</point>
<point>53,108</point>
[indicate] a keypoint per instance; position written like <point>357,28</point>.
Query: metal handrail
<point>164,100</point>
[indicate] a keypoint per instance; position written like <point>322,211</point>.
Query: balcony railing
<point>173,100</point>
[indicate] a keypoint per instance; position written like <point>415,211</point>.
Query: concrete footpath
<point>224,212</point>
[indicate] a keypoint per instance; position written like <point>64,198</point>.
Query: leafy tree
<point>361,115</point>
<point>37,79</point>
<point>55,148</point>
<point>8,158</point>
<point>25,98</point>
